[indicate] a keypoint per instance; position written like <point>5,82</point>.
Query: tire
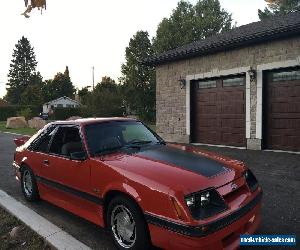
<point>28,185</point>
<point>132,231</point>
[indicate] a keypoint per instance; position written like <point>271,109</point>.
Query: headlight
<point>251,180</point>
<point>205,204</point>
<point>190,201</point>
<point>204,199</point>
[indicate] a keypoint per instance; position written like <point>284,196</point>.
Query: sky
<point>87,33</point>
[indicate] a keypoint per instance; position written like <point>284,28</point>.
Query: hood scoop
<point>196,163</point>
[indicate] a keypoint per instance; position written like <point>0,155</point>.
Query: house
<point>240,88</point>
<point>62,102</point>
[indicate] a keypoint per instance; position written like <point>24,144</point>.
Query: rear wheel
<point>28,185</point>
<point>127,224</point>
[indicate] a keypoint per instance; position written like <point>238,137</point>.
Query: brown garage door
<point>282,110</point>
<point>218,111</point>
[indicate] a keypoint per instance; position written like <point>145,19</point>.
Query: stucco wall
<point>171,99</point>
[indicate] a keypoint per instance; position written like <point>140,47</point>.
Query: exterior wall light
<point>182,82</point>
<point>252,74</point>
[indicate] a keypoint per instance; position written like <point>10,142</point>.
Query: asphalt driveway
<point>278,174</point>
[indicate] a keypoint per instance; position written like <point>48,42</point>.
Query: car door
<point>38,151</point>
<point>69,177</point>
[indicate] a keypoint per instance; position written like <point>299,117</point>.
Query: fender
<point>123,188</point>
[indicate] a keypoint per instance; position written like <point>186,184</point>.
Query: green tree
<point>189,23</point>
<point>138,80</point>
<point>22,68</point>
<point>47,91</point>
<point>33,95</point>
<point>61,85</point>
<point>278,7</point>
<point>106,99</point>
<point>84,94</point>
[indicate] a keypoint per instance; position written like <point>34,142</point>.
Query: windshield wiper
<point>132,144</point>
<point>108,150</point>
<point>135,142</point>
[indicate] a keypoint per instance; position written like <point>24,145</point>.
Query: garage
<point>282,110</point>
<point>237,88</point>
<point>218,111</point>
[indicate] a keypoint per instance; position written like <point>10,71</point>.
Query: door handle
<point>46,162</point>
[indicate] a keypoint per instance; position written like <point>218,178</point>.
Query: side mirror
<point>78,156</point>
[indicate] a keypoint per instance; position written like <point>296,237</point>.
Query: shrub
<point>13,110</point>
<point>65,113</point>
<point>27,113</point>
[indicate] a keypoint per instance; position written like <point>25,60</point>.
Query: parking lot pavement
<point>278,174</point>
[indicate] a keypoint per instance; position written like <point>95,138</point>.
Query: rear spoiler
<point>21,140</point>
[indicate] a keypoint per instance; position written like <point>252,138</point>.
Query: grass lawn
<point>25,238</point>
<point>23,131</point>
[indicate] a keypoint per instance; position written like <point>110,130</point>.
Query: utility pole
<point>93,78</point>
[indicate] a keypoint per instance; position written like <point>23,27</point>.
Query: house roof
<point>272,28</point>
<point>63,97</point>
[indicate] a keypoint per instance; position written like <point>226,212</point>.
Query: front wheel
<point>28,185</point>
<point>127,224</point>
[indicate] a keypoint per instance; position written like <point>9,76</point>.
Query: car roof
<point>85,121</point>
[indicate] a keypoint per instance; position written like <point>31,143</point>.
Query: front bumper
<point>220,234</point>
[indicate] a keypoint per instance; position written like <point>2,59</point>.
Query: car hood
<point>176,167</point>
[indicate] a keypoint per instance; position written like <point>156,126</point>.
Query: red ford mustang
<point>119,174</point>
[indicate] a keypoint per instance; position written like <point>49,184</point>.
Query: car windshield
<point>107,137</point>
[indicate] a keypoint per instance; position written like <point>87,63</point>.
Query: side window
<point>66,140</point>
<point>41,143</point>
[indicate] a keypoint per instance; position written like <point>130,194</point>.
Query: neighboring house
<point>238,88</point>
<point>62,102</point>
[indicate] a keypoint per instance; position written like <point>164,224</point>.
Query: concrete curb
<point>51,233</point>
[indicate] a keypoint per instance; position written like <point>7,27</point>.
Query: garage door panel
<point>283,110</point>
<point>235,108</point>
<point>208,109</point>
<point>209,137</point>
<point>233,123</point>
<point>233,96</point>
<point>207,96</point>
<point>282,91</point>
<point>219,113</point>
<point>286,116</point>
<point>283,99</point>
<point>281,123</point>
<point>285,107</point>
<point>236,139</point>
<point>207,122</point>
<point>285,143</point>
<point>285,131</point>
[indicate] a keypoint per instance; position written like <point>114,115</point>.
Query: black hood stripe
<point>189,161</point>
